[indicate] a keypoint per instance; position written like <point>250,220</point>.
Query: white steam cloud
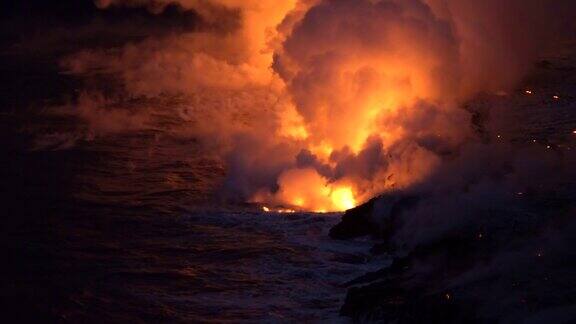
<point>323,104</point>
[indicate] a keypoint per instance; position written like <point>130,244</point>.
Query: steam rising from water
<point>322,104</point>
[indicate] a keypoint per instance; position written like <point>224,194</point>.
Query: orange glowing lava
<point>305,189</point>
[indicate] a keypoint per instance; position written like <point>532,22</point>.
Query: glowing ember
<point>529,92</point>
<point>278,210</point>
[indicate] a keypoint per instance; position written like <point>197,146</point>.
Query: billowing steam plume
<point>320,105</point>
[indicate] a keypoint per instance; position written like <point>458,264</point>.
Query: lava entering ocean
<point>321,104</point>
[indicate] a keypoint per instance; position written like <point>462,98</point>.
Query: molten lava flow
<point>343,198</point>
<point>305,189</point>
<point>278,210</point>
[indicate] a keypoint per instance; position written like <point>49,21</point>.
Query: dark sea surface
<point>127,228</point>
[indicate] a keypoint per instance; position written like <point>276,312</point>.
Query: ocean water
<point>127,227</point>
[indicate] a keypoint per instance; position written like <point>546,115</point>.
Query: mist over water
<point>321,105</point>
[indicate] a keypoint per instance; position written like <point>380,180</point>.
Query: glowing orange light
<point>292,125</point>
<point>307,190</point>
<point>322,150</point>
<point>278,210</point>
<point>343,198</point>
<point>367,99</point>
<point>298,202</point>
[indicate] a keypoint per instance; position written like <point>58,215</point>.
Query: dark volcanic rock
<point>377,217</point>
<point>356,222</point>
<point>386,302</point>
<point>470,274</point>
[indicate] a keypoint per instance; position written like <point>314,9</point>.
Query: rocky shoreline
<point>509,266</point>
